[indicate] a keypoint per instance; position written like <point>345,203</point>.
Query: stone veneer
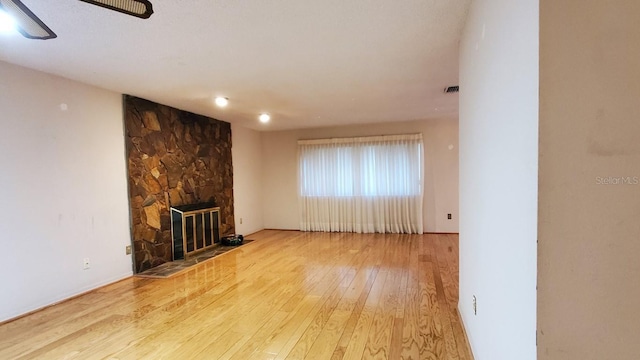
<point>174,158</point>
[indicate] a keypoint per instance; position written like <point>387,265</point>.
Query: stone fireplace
<point>174,158</point>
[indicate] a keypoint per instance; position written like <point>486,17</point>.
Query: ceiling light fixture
<point>222,101</point>
<point>26,22</point>
<point>138,8</point>
<point>264,118</point>
<point>31,27</point>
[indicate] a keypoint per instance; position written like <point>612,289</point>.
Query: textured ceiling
<point>307,63</point>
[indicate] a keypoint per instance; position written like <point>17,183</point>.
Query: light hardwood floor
<point>287,295</point>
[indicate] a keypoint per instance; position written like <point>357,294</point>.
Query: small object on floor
<point>232,240</point>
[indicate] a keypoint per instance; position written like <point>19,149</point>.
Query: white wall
<point>246,152</point>
<point>499,178</point>
<point>280,189</point>
<point>63,189</point>
<point>589,228</point>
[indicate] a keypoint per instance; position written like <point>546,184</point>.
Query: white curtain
<point>364,184</point>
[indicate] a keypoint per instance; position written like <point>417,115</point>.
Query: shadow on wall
<point>174,158</point>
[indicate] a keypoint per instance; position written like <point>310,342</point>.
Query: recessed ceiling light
<point>264,118</point>
<point>7,23</point>
<point>222,101</point>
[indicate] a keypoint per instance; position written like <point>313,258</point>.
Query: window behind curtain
<point>340,179</point>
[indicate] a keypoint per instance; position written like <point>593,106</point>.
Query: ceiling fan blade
<point>138,8</point>
<point>28,24</point>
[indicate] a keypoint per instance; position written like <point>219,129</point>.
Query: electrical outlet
<point>475,305</point>
<point>87,264</point>
<point>240,221</point>
<point>449,216</point>
<point>127,250</point>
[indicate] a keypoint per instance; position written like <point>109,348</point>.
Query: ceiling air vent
<point>452,89</point>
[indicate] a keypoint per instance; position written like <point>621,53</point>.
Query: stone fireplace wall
<point>174,158</point>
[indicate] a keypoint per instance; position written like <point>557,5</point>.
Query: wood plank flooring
<point>287,295</point>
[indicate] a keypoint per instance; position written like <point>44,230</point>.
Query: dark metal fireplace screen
<point>194,228</point>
